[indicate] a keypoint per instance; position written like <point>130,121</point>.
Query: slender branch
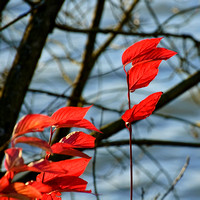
<point>177,178</point>
<point>86,67</point>
<point>124,20</point>
<point>146,142</point>
<point>177,14</point>
<point>167,97</point>
<point>41,23</point>
<point>22,16</point>
<point>121,32</point>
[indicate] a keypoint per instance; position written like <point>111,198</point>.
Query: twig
<point>169,96</point>
<point>177,178</point>
<point>66,27</point>
<point>94,173</point>
<point>146,142</point>
<point>22,16</point>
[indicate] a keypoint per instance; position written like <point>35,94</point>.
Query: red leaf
<point>6,180</point>
<point>61,148</point>
<point>143,109</point>
<point>72,117</point>
<point>139,49</point>
<point>13,158</point>
<point>21,191</point>
<point>34,142</point>
<point>84,123</point>
<point>65,114</point>
<point>60,183</point>
<point>79,139</point>
<point>73,167</point>
<point>155,54</point>
<point>32,123</point>
<point>142,74</point>
<point>52,196</point>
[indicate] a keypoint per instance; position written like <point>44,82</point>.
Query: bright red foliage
<point>18,190</point>
<point>142,74</point>
<point>48,182</point>
<point>63,176</point>
<point>64,117</point>
<point>146,50</point>
<point>13,158</point>
<point>145,57</point>
<point>143,109</point>
<point>6,180</point>
<point>52,196</point>
<point>79,139</point>
<point>34,142</point>
<point>54,177</point>
<point>32,123</point>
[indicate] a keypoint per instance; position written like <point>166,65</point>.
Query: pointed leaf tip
<point>139,49</point>
<point>69,113</point>
<point>79,139</point>
<point>32,123</point>
<point>142,74</point>
<point>142,110</point>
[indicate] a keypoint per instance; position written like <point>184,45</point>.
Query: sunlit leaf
<point>21,191</point>
<point>139,49</point>
<point>51,196</point>
<point>155,54</point>
<point>79,139</point>
<point>84,123</point>
<point>73,167</point>
<point>13,158</point>
<point>62,148</point>
<point>63,115</point>
<point>142,74</point>
<point>34,142</point>
<point>143,109</point>
<point>6,180</point>
<point>61,183</point>
<point>32,123</point>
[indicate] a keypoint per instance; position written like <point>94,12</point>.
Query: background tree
<point>56,53</point>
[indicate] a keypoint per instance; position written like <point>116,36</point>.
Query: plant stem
<point>50,139</point>
<point>51,135</point>
<point>129,126</point>
<point>131,162</point>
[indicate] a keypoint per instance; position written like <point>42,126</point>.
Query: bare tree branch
<point>40,25</point>
<point>146,142</point>
<point>87,65</point>
<point>177,178</point>
<point>121,32</point>
<point>176,91</point>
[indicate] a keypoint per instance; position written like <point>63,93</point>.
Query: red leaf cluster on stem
<point>53,177</point>
<point>145,58</point>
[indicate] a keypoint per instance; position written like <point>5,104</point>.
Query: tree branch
<point>121,32</point>
<point>87,65</point>
<point>116,126</point>
<point>40,25</point>
<point>142,142</point>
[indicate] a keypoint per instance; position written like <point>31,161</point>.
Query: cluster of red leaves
<point>53,177</point>
<point>145,57</point>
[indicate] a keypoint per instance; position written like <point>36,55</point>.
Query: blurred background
<point>68,53</point>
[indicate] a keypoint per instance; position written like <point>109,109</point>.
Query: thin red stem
<point>129,126</point>
<point>131,162</point>
<point>50,138</point>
